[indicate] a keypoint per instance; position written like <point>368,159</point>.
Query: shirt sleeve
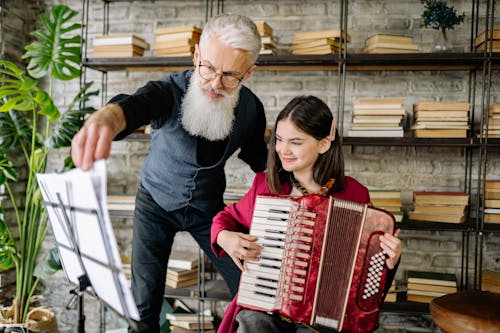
<point>236,217</point>
<point>149,102</point>
<point>254,151</point>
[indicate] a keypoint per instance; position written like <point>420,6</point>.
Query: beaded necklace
<point>323,190</point>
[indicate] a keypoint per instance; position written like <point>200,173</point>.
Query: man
<point>199,118</point>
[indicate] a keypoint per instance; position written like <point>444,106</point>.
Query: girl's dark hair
<point>313,117</point>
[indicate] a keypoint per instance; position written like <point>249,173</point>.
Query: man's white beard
<point>206,117</point>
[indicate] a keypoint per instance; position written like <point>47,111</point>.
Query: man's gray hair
<point>237,31</point>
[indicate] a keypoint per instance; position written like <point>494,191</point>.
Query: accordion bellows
<point>321,262</point>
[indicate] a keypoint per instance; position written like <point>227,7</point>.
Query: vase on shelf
<point>442,43</point>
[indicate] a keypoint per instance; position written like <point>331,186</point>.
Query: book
<point>189,317</point>
<point>359,111</point>
<point>118,48</point>
<point>492,203</point>
<point>389,38</point>
<point>186,35</point>
<point>395,46</point>
<point>432,287</point>
<point>491,195</point>
<point>325,49</point>
<point>425,293</point>
<point>440,198</point>
<point>179,284</point>
<point>264,28</point>
<point>423,105</point>
<point>115,54</point>
<point>492,218</point>
<point>174,43</point>
<point>434,278</point>
<point>192,325</point>
<point>440,209</point>
<point>175,272</point>
<point>333,33</point>
<point>419,298</point>
<point>436,217</point>
<point>440,133</point>
<point>492,34</point>
<point>315,42</point>
<point>163,49</point>
<point>120,39</point>
<point>177,29</point>
<point>493,45</point>
<point>183,259</point>
<point>396,133</point>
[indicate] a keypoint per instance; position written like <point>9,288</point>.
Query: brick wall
<point>405,168</point>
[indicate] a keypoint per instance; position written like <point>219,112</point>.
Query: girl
<point>303,158</point>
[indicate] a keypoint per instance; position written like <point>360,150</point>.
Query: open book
<point>78,213</point>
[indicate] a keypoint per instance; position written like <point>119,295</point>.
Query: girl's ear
<point>325,144</point>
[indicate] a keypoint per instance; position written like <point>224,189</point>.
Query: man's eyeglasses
<point>208,73</point>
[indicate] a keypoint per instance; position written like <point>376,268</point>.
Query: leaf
<point>14,129</point>
<point>72,120</point>
<point>7,246</point>
<point>17,90</point>
<point>6,170</point>
<point>52,51</point>
<point>49,265</point>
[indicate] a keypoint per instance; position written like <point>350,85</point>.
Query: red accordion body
<point>321,262</point>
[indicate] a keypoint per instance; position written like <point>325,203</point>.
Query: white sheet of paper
<point>93,234</point>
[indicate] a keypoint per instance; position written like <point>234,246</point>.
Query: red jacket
<point>238,217</point>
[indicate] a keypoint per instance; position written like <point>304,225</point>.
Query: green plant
<point>437,15</point>
<point>31,125</point>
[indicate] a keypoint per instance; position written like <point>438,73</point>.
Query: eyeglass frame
<point>221,75</point>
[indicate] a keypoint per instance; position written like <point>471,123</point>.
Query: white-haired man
<point>199,118</point>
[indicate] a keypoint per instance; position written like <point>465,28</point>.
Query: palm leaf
<point>7,246</point>
<point>53,52</point>
<point>15,129</point>
<point>17,90</point>
<point>72,120</point>
<point>6,171</point>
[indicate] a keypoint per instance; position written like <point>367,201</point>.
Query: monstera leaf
<point>17,90</point>
<point>51,52</point>
<point>16,130</point>
<point>72,120</point>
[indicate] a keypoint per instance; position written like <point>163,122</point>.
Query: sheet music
<point>84,233</point>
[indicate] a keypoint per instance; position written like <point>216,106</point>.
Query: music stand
<point>77,210</point>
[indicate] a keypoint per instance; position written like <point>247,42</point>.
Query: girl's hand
<point>391,245</point>
<point>239,246</point>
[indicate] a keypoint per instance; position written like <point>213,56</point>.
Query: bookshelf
<point>475,150</point>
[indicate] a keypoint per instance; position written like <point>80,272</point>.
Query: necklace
<point>323,190</point>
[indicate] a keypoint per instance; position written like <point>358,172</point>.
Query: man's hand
<point>239,246</point>
<point>93,141</point>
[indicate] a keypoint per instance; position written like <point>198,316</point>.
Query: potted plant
<point>31,125</point>
<point>437,15</point>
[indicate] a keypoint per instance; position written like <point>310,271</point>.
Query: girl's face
<point>297,150</point>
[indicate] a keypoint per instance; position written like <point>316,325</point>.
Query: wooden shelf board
<point>360,61</point>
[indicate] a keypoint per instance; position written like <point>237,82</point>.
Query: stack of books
<point>425,286</point>
<point>182,322</point>
<point>176,41</point>
<point>440,119</point>
<point>118,45</point>
<point>493,121</point>
<point>318,42</point>
<point>492,201</point>
<point>383,43</point>
<point>447,207</point>
<point>490,281</point>
<point>378,117</point>
<point>389,200</point>
<point>481,43</point>
<point>182,269</point>
<point>234,194</point>
<point>267,39</point>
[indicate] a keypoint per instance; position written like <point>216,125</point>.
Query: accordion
<point>321,262</point>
